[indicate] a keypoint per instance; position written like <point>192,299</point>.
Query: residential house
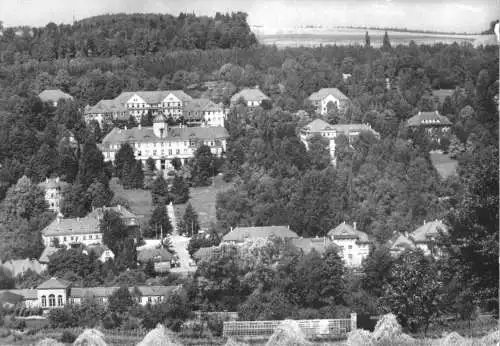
<point>252,97</point>
<point>53,96</point>
<point>161,257</point>
<point>331,132</point>
<point>239,234</point>
<point>56,293</point>
<point>53,188</point>
<point>424,238</point>
<point>85,230</point>
<point>204,112</point>
<point>327,98</point>
<point>203,254</point>
<point>354,244</point>
<point>102,252</point>
<point>163,143</point>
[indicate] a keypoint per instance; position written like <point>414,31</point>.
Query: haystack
<point>232,342</point>
<point>288,333</point>
<point>452,339</point>
<point>49,342</point>
<point>160,336</point>
<point>90,337</point>
<point>359,337</point>
<point>387,328</point>
<point>491,339</point>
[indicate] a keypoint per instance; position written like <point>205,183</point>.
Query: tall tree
<point>189,223</point>
<point>159,192</point>
<point>203,166</point>
<point>124,157</point>
<point>159,222</point>
<point>386,43</point>
<point>367,40</point>
<point>91,166</point>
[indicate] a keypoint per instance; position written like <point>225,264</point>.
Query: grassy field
<point>202,199</point>
<point>445,165</point>
<point>139,200</point>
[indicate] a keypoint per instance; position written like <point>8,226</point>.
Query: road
<point>180,244</point>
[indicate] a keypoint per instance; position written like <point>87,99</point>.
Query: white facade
<point>68,240</point>
<point>138,107</point>
<point>323,106</point>
<point>353,253</point>
<point>52,298</point>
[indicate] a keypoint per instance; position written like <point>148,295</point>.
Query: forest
<point>387,185</point>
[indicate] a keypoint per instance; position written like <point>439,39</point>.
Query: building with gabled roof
<point>105,111</point>
<point>429,120</point>
<point>399,243</point>
<point>85,230</point>
<point>204,112</point>
<point>53,188</point>
<point>240,234</point>
<point>203,253</point>
<point>251,97</point>
<point>326,98</point>
<point>53,96</point>
<point>354,244</point>
<point>425,237</point>
<point>331,132</point>
<point>163,143</point>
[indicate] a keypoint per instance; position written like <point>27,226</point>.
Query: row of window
<point>155,105</point>
<point>76,238</point>
<point>52,300</point>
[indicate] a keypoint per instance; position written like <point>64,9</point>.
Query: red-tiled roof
<point>239,234</point>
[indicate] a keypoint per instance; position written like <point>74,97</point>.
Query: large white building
<point>326,98</point>
<point>354,244</point>
<point>171,103</point>
<point>163,143</point>
<point>331,132</point>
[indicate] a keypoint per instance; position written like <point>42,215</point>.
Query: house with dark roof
<point>53,96</point>
<point>204,112</point>
<point>240,234</point>
<point>85,230</point>
<point>331,132</point>
<point>327,98</point>
<point>56,293</point>
<point>252,97</point>
<point>429,120</point>
<point>105,111</point>
<point>203,253</point>
<point>163,143</point>
<point>161,258</point>
<point>354,244</point>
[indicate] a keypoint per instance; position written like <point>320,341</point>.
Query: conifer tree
<point>189,223</point>
<point>386,44</point>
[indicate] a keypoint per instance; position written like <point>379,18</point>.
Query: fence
<point>311,328</point>
<point>223,315</point>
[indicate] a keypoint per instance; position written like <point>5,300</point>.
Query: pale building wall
<point>324,102</point>
<point>60,298</point>
<point>67,240</point>
<point>353,253</point>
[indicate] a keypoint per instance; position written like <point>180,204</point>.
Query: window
<point>177,151</point>
<point>44,301</point>
<point>64,238</point>
<point>59,300</point>
<point>350,256</point>
<point>169,151</point>
<point>84,238</point>
<point>349,247</point>
<point>150,300</point>
<point>52,300</point>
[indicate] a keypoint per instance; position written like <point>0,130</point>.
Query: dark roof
<point>428,119</point>
<point>204,253</point>
<point>146,134</point>
<point>249,95</point>
<point>54,283</point>
<point>26,293</point>
<point>239,234</point>
<point>10,297</point>
<point>346,231</point>
<point>321,94</point>
<point>53,95</point>
<point>81,292</point>
<point>156,255</point>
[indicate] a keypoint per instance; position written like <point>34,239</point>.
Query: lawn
<point>202,199</point>
<point>139,200</point>
<point>445,165</point>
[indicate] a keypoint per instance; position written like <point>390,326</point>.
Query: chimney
<point>424,222</point>
<point>354,225</point>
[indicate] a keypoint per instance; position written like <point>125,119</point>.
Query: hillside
<point>122,34</point>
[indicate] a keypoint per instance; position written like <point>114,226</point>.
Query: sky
<point>442,15</point>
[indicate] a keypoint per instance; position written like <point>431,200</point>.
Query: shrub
<point>215,325</point>
<point>14,323</point>
<point>67,337</point>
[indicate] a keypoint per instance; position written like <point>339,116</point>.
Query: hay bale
<point>232,342</point>
<point>90,337</point>
<point>359,337</point>
<point>492,338</point>
<point>288,333</point>
<point>387,328</point>
<point>160,336</point>
<point>49,342</point>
